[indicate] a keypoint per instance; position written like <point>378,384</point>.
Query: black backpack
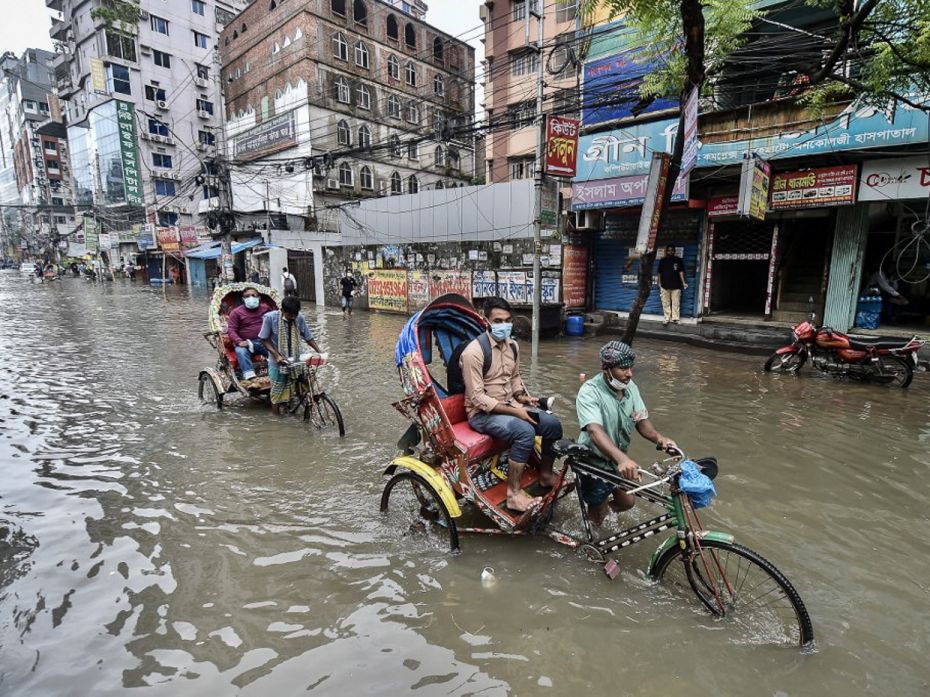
<point>454,370</point>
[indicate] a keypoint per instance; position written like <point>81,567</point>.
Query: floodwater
<point>151,545</point>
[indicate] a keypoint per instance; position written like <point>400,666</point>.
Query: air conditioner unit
<point>588,220</point>
<point>332,184</point>
<point>201,147</point>
<point>202,82</point>
<point>171,175</point>
<point>204,114</point>
<point>161,104</point>
<point>143,15</point>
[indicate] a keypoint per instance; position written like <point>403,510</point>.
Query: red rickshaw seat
<point>475,445</point>
<point>230,348</point>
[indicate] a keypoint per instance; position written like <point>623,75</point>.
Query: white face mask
<point>251,302</point>
<point>614,383</point>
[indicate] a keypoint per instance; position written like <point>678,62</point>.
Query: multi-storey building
<point>511,65</point>
<point>142,103</point>
<point>344,98</point>
<point>34,168</point>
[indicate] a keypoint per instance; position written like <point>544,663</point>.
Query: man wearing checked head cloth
<point>609,409</point>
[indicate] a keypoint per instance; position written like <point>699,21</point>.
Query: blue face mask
<point>251,302</point>
<point>501,332</point>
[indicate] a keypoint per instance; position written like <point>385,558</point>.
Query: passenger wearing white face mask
<point>498,404</point>
<point>243,326</point>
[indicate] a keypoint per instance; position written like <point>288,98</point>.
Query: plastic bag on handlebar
<point>697,485</point>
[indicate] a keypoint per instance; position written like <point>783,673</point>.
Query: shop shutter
<point>617,286</point>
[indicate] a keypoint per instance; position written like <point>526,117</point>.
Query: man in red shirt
<point>243,326</point>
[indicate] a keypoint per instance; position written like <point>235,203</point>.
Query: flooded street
<point>149,542</point>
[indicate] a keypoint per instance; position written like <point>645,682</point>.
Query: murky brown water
<point>153,543</point>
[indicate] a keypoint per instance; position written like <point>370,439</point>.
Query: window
<point>167,219</point>
<point>50,146</point>
<point>413,184</point>
<point>410,35</point>
<point>341,90</point>
<point>360,13</point>
<point>393,67</point>
<point>155,94</point>
<point>565,12</point>
<point>393,31</point>
<point>413,150</point>
<point>161,160</point>
<point>340,46</point>
<point>338,7</point>
<point>526,63</point>
<point>394,106</point>
<point>345,174</point>
<point>452,158</point>
<point>206,138</point>
<point>394,146</point>
<point>52,165</point>
<point>121,46</point>
<point>29,105</point>
<point>210,192</point>
<point>364,97</point>
<point>521,115</point>
<point>518,9</point>
<point>198,7</point>
<point>413,113</point>
<point>200,40</point>
<point>437,49</point>
<point>158,128</point>
<point>365,177</point>
<point>361,55</point>
<point>439,85</point>
<point>164,187</point>
<point>204,105</point>
<point>43,108</point>
<point>439,158</point>
<point>158,24</point>
<point>397,186</point>
<point>410,71</point>
<point>343,133</point>
<point>162,60</point>
<point>118,78</point>
<point>364,137</point>
<point>203,72</point>
<point>223,17</point>
<point>522,169</point>
<point>439,185</point>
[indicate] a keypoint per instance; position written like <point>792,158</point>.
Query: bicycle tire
<point>323,412</point>
<point>797,622</point>
<point>431,511</point>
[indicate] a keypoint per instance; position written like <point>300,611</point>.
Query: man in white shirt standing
<point>288,282</point>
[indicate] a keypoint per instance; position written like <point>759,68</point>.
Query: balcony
<point>59,30</point>
<point>53,5</point>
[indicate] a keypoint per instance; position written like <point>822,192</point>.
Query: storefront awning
<point>213,250</point>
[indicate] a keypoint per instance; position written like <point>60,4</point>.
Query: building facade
<point>336,100</point>
<point>34,160</point>
<point>510,79</point>
<point>142,102</point>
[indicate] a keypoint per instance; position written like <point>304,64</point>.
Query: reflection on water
<point>146,541</point>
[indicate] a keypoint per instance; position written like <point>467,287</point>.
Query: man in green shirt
<point>609,409</point>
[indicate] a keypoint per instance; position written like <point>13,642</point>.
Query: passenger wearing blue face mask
<point>497,402</point>
<point>243,326</point>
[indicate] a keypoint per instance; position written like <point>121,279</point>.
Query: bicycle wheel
<point>208,392</point>
<point>324,413</point>
<point>754,596</point>
<point>895,371</point>
<point>785,362</point>
<point>413,508</point>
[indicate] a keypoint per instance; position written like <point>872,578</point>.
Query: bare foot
<point>521,502</point>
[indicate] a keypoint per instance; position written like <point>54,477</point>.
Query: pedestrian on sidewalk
<point>671,283</point>
<point>289,282</point>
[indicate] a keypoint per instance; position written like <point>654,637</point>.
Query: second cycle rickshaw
<point>452,479</point>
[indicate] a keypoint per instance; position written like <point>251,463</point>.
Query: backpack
<point>288,283</point>
<point>454,370</point>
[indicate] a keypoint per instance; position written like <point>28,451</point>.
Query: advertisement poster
<point>132,178</point>
<point>722,205</point>
<point>754,188</point>
<point>652,205</point>
<point>825,186</point>
<point>574,275</point>
<point>442,282</point>
<point>167,239</point>
<point>277,133</point>
<point>417,289</point>
<point>895,179</point>
<point>387,290</point>
<point>689,155</point>
<point>611,87</point>
<point>620,192</point>
<point>561,145</point>
<point>483,284</point>
<point>90,234</point>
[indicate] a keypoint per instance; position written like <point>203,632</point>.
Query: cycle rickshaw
<point>224,379</point>
<point>452,479</point>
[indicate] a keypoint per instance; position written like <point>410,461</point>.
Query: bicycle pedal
<point>612,569</point>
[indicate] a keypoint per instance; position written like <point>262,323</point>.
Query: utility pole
<point>537,9</point>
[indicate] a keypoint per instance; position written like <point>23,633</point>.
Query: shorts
<point>347,301</point>
<point>594,492</point>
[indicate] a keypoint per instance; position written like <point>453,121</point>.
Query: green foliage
<point>118,14</point>
<point>657,26</point>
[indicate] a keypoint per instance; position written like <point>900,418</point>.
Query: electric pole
<point>536,8</point>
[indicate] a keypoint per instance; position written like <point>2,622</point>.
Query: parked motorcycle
<point>888,362</point>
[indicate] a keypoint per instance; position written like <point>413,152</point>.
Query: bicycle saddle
<point>566,446</point>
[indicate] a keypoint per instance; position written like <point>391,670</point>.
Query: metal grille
<point>742,239</point>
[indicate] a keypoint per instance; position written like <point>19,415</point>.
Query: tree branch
<point>862,87</point>
<point>848,30</point>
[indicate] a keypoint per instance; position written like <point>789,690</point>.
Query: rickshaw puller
<point>281,333</point>
<point>498,404</point>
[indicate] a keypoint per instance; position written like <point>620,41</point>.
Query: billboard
<point>561,145</point>
<point>611,88</point>
<point>814,188</point>
<point>277,133</point>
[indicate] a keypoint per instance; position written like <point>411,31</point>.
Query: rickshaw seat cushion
<point>230,348</point>
<point>476,445</point>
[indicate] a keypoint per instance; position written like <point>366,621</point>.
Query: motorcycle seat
<point>867,345</point>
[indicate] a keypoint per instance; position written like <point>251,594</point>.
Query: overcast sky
<point>28,26</point>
